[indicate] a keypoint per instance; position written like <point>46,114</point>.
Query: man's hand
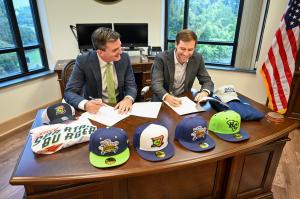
<point>172,100</point>
<point>93,106</point>
<point>124,106</point>
<point>200,96</point>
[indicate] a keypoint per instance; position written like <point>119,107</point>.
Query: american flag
<point>279,66</point>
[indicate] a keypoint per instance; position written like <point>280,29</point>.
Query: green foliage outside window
<point>212,20</point>
<point>10,63</point>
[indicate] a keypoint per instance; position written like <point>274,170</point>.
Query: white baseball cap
<point>226,93</point>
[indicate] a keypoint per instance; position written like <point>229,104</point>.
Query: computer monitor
<point>132,34</point>
<point>85,31</point>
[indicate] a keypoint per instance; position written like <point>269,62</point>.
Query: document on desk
<point>146,109</point>
<point>187,106</point>
<point>106,115</point>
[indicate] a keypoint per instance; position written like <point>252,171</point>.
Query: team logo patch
<point>110,161</point>
<point>203,145</point>
<point>234,125</point>
<point>160,154</point>
<point>60,110</point>
<point>198,132</point>
<point>237,136</point>
<point>108,146</point>
<point>157,141</point>
<point>229,90</point>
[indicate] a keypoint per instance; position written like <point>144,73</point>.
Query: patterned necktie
<point>110,84</point>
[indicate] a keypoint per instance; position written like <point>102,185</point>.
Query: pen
<point>92,98</point>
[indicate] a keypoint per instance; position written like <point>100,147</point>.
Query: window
<point>22,50</point>
<point>224,29</point>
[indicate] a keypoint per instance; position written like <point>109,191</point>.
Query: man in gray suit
<point>174,71</point>
<point>104,75</point>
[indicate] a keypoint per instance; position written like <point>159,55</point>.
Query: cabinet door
<point>252,173</point>
<point>201,181</point>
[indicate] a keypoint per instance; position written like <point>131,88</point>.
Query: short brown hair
<point>103,35</point>
<point>186,35</point>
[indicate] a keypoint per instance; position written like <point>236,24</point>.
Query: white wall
<point>62,13</point>
<point>57,15</point>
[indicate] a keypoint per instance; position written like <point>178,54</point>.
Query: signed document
<point>106,115</point>
<point>187,106</point>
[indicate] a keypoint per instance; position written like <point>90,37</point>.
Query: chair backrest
<point>66,72</point>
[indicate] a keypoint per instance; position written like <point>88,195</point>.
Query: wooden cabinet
<point>141,69</point>
<point>293,110</point>
<point>251,174</point>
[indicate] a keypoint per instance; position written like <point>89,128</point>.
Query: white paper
<point>146,109</point>
<point>106,115</point>
<point>187,106</point>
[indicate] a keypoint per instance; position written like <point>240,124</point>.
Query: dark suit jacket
<point>86,79</point>
<point>163,70</point>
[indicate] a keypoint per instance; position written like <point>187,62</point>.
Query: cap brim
<point>109,161</point>
<point>198,146</point>
<point>159,155</point>
<point>60,120</point>
<point>237,137</point>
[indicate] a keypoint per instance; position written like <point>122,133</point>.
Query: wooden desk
<point>231,170</point>
<point>141,69</point>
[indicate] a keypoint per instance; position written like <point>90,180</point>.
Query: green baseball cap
<point>226,125</point>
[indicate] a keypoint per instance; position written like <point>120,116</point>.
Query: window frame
<point>19,49</point>
<point>185,25</point>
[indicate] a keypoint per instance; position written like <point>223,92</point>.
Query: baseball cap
<point>226,93</point>
<point>192,133</point>
<point>226,125</point>
<point>151,142</point>
<point>58,113</point>
<point>108,147</point>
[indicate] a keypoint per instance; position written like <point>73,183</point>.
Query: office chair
<point>66,72</point>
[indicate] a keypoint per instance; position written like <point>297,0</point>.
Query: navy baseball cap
<point>108,147</point>
<point>226,125</point>
<point>58,113</point>
<point>192,133</point>
<point>151,142</point>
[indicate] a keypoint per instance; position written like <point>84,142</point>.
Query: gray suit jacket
<point>86,79</point>
<point>163,70</point>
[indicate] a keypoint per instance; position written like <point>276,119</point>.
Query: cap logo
<point>237,136</point>
<point>60,110</point>
<point>110,161</point>
<point>229,90</point>
<point>203,145</point>
<point>160,154</point>
<point>157,141</point>
<point>234,125</point>
<point>108,146</point>
<point>198,132</point>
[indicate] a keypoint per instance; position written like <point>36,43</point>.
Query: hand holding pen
<point>93,105</point>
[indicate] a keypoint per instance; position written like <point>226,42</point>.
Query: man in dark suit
<point>174,71</point>
<point>104,75</point>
